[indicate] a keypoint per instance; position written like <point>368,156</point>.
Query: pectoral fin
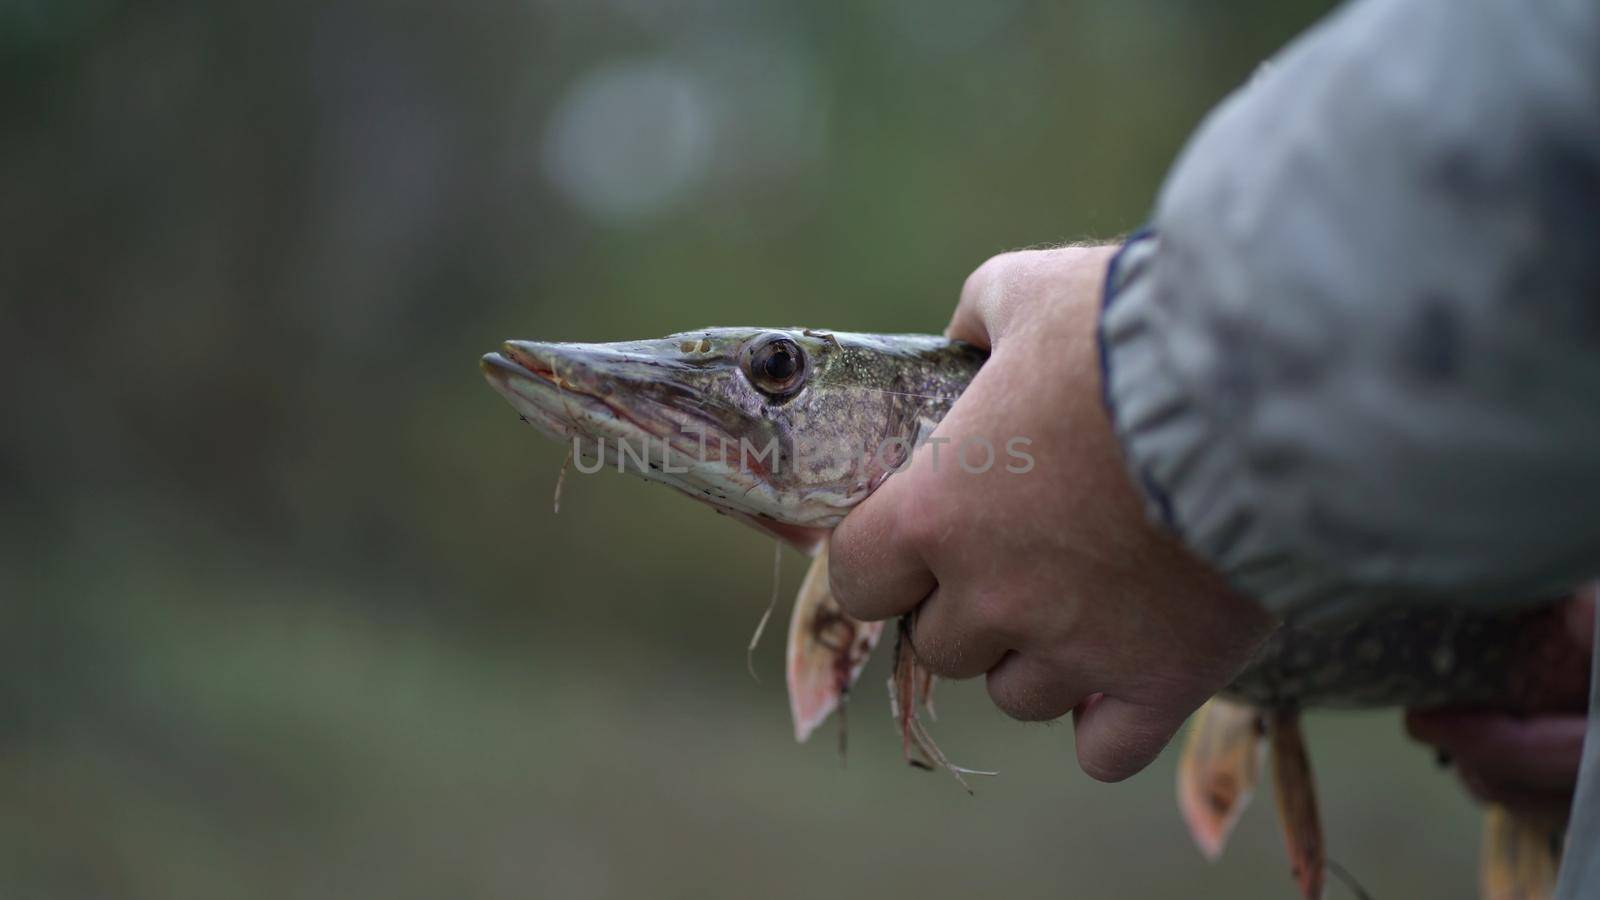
<point>1297,802</point>
<point>1218,771</point>
<point>1520,855</point>
<point>827,650</point>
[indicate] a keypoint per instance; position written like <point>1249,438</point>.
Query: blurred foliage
<point>286,612</point>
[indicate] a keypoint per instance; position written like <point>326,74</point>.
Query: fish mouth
<point>588,391</point>
<point>521,359</point>
<point>497,367</point>
<point>530,381</point>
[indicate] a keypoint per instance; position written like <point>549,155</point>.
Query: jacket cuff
<point>1180,448</point>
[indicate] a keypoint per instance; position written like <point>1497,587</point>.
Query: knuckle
<point>938,657</point>
<point>939,650</point>
<point>845,595</point>
<point>1025,699</point>
<point>986,620</point>
<point>1002,612</point>
<point>987,282</point>
<point>841,584</point>
<point>1005,698</point>
<point>922,525</point>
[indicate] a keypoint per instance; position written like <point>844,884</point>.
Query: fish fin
<point>910,687</point>
<point>1520,855</point>
<point>1296,795</point>
<point>1218,771</point>
<point>827,650</point>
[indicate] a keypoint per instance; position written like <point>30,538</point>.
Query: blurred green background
<point>286,612</point>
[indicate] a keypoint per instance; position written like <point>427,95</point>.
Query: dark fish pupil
<point>775,366</point>
<point>780,364</point>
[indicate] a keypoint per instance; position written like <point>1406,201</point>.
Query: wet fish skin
<point>693,392</point>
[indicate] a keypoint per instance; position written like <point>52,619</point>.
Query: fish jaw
<point>590,390</point>
<point>537,398</point>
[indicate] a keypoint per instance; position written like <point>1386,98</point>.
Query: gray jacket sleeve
<point>1356,358</point>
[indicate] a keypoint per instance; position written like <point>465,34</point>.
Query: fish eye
<point>776,366</point>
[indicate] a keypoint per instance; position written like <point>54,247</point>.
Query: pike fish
<point>786,429</point>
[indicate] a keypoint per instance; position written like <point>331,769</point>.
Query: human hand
<point>1527,763</point>
<point>1051,581</point>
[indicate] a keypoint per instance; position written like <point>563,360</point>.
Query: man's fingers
<point>996,290</point>
<point>874,568</point>
<point>1028,688</point>
<point>992,294</point>
<point>1538,752</point>
<point>957,636</point>
<point>1117,739</point>
<point>1514,796</point>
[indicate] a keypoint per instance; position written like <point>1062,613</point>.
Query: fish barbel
<point>787,428</point>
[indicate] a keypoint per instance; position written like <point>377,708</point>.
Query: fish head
<point>784,425</point>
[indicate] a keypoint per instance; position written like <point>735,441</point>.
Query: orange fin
<point>1218,771</point>
<point>1297,802</point>
<point>827,650</point>
<point>1520,856</point>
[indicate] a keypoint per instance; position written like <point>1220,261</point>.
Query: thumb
<point>1117,739</point>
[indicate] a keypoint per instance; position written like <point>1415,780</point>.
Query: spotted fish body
<point>1521,659</point>
<point>788,428</point>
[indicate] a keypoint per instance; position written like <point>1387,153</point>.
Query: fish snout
<point>499,368</point>
<point>533,356</point>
